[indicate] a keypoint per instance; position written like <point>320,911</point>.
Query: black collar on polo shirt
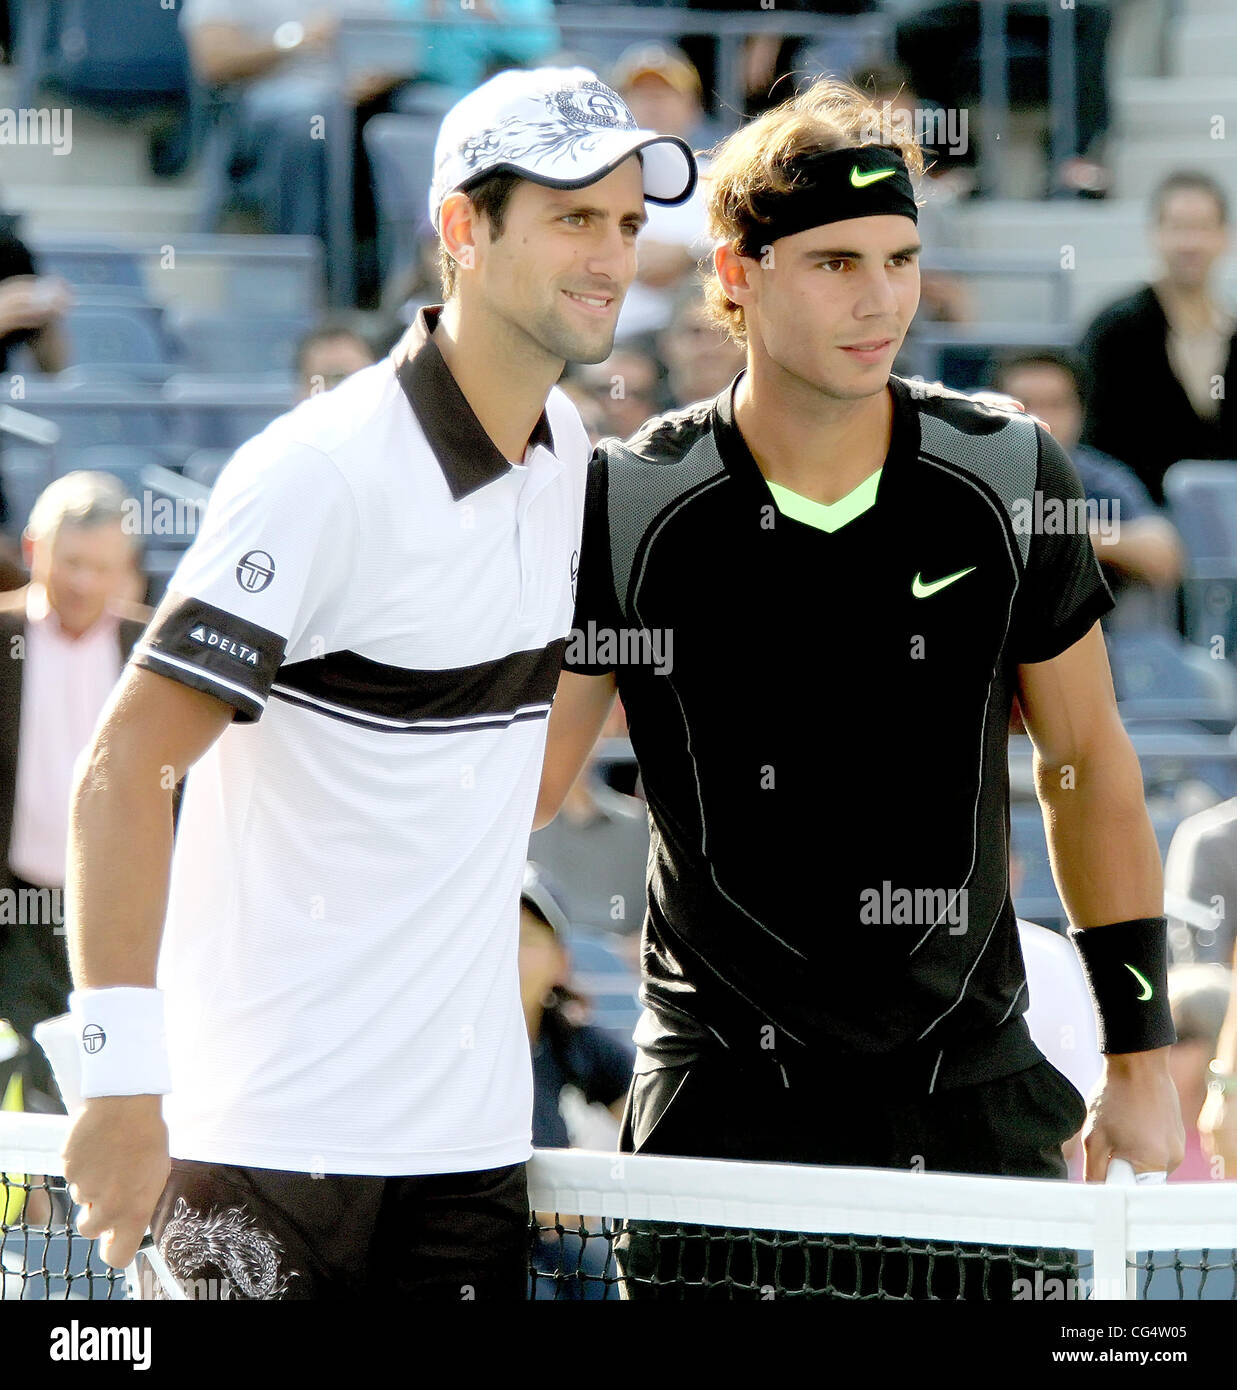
<point>465,453</point>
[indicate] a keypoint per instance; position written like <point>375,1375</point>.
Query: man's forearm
<point>50,350</point>
<point>1100,840</point>
<point>223,53</point>
<point>120,850</point>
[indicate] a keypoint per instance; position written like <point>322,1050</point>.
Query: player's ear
<point>457,228</point>
<point>732,273</point>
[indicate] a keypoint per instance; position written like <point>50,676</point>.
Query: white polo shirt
<point>385,600</point>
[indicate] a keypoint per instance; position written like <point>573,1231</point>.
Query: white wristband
<point>121,1041</point>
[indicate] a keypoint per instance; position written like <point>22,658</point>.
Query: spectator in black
<point>766,59</point>
<point>1162,361</point>
<point>32,309</point>
<point>327,354</point>
<point>1142,548</point>
<point>567,1050</point>
<point>938,44</point>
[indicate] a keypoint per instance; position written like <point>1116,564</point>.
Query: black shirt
<point>821,742</point>
<point>1136,408</point>
<point>573,1054</point>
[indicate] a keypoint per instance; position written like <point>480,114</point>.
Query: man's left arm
<point>1107,867</point>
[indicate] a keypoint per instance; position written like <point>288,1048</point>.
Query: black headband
<point>833,186</point>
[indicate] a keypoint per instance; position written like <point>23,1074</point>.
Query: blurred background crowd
<point>210,211</point>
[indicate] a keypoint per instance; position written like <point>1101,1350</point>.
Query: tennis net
<point>604,1226</point>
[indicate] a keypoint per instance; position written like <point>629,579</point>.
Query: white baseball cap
<point>562,127</point>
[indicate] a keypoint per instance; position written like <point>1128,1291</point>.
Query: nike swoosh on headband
<point>859,180</point>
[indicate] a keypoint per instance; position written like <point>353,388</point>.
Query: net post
<point>1113,1277</point>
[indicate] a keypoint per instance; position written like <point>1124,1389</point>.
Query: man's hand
<point>1135,1115</point>
<point>32,301</point>
<point>998,400</point>
<point>116,1165</point>
<point>1217,1127</point>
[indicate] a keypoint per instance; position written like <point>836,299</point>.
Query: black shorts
<point>1013,1126</point>
<point>260,1233</point>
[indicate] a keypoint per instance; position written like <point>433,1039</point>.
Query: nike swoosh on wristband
<point>859,180</point>
<point>1142,980</point>
<point>922,590</point>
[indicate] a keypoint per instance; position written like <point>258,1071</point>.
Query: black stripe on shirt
<point>491,694</point>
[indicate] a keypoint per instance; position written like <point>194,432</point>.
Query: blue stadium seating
<point>204,465</point>
<point>87,413</point>
<point>238,345</point>
<point>206,411</point>
<point>90,266</point>
<point>1157,676</point>
<point>401,155</point>
<point>1202,497</point>
<point>129,54</point>
<point>244,275</point>
<point>26,470</point>
<point>121,335</point>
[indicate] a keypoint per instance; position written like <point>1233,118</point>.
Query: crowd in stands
<point>1151,380</point>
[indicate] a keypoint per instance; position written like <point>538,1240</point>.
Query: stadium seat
<point>26,470</point>
<point>123,461</point>
<point>121,335</point>
<point>1157,676</point>
<point>96,412</point>
<point>212,412</point>
<point>1202,497</point>
<point>90,266</point>
<point>127,54</point>
<point>401,155</point>
<point>236,344</point>
<point>204,465</point>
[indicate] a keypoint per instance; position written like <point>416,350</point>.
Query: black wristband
<point>1126,965</point>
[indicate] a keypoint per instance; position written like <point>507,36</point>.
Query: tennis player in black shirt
<point>818,596</point>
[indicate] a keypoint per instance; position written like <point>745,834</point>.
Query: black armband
<point>1126,965</point>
